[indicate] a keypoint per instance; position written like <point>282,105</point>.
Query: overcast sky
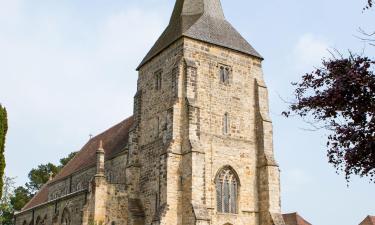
<point>67,70</point>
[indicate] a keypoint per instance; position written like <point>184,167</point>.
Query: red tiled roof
<point>114,141</point>
<point>294,219</point>
<point>40,198</point>
<point>369,220</point>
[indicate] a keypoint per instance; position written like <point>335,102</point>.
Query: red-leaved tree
<point>340,96</point>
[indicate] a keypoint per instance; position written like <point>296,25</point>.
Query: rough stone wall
<point>181,141</point>
<point>63,194</point>
<point>155,110</point>
<point>212,100</point>
<point>107,203</point>
<point>51,213</point>
<point>115,173</point>
<point>117,205</point>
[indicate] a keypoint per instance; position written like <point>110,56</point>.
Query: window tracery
<point>227,191</point>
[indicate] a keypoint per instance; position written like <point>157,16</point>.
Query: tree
<point>6,208</point>
<point>20,197</point>
<point>370,3</point>
<point>40,175</point>
<point>65,160</point>
<point>3,132</point>
<point>340,96</point>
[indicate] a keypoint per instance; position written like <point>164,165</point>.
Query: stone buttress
<point>193,122</point>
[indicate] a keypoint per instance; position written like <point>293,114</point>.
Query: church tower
<point>198,149</point>
<point>201,148</point>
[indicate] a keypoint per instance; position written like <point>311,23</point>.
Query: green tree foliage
<point>3,132</point>
<point>20,197</point>
<point>65,160</point>
<point>6,208</point>
<point>14,199</point>
<point>40,175</point>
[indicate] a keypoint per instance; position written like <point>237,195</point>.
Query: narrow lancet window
<point>226,191</point>
<point>226,123</point>
<point>158,80</point>
<point>224,75</point>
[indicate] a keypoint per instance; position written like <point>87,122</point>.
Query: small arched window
<point>227,191</point>
<point>65,218</point>
<point>226,123</point>
<point>224,74</point>
<point>158,79</point>
<point>24,222</point>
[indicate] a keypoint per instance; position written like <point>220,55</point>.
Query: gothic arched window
<point>227,190</point>
<point>226,123</point>
<point>65,218</point>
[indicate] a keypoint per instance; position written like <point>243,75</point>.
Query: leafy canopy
<point>20,197</point>
<point>40,175</point>
<point>341,96</point>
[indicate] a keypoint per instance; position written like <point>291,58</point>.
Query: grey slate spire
<point>201,20</point>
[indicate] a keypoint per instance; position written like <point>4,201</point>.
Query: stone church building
<point>198,149</point>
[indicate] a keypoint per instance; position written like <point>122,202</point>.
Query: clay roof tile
<point>114,139</point>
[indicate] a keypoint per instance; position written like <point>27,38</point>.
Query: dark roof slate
<point>201,20</point>
<point>114,140</point>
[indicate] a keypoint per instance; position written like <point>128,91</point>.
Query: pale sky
<point>67,70</point>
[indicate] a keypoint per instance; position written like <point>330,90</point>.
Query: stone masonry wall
<point>66,194</point>
<point>115,173</point>
<point>237,148</point>
<point>155,132</point>
<point>52,212</point>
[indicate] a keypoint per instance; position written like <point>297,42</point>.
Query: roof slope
<point>369,220</point>
<point>114,140</point>
<point>294,219</point>
<point>201,20</point>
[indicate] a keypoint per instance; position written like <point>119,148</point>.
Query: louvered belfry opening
<point>227,191</point>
